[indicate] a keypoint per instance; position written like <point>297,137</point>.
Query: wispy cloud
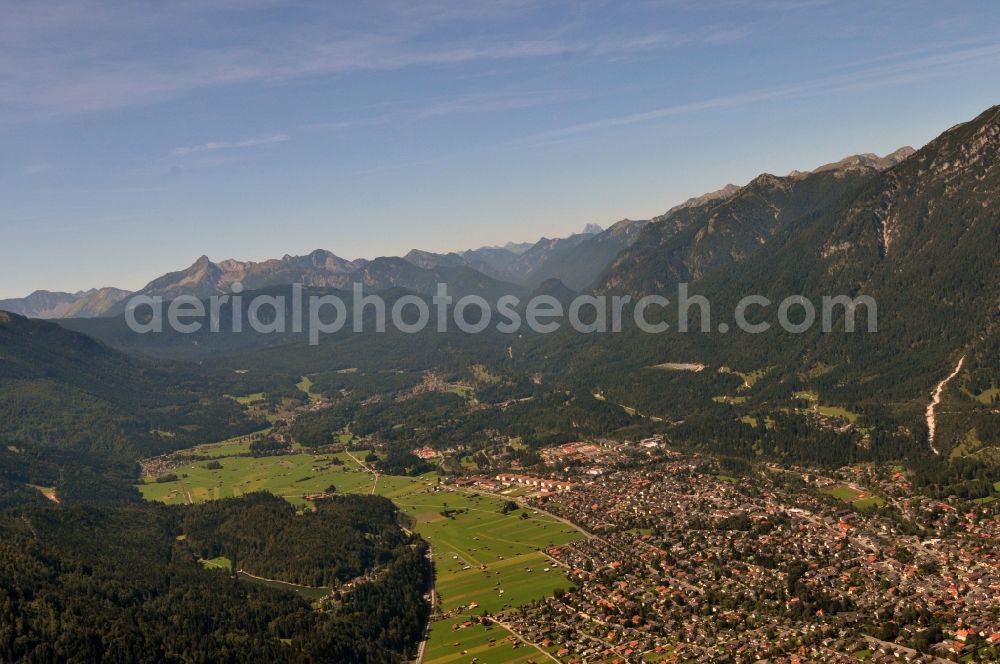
<point>212,146</point>
<point>912,69</point>
<point>112,55</point>
<point>474,103</point>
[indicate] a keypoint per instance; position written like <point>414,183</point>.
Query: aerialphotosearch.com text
<point>317,315</point>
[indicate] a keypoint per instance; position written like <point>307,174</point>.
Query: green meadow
<point>485,560</point>
<point>292,476</point>
<point>489,644</point>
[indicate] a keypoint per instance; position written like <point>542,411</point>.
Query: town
<point>684,562</point>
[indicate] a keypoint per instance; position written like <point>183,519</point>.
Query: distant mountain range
<point>917,231</point>
<point>577,260</point>
<point>83,304</point>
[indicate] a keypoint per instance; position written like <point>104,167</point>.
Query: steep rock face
<point>689,243</point>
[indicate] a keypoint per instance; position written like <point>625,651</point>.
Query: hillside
<point>921,238</point>
<point>62,389</point>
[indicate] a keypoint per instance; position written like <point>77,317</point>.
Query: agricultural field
<point>484,559</point>
<point>468,532</point>
<point>490,644</point>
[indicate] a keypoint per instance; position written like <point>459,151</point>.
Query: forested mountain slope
<point>921,238</point>
<point>63,389</point>
<point>689,242</point>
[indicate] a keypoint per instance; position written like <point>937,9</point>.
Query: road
<point>427,628</point>
<point>524,640</point>
<point>368,468</point>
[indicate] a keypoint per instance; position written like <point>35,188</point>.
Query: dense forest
<point>123,583</point>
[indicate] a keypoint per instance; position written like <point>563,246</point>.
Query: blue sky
<point>137,136</point>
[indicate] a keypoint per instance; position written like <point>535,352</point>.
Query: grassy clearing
<point>305,385</point>
<point>806,395</point>
<point>752,421</point>
<point>729,400</point>
<point>308,594</point>
<point>837,411</point>
<point>249,399</point>
<point>829,411</point>
<point>221,562</point>
<point>969,445</point>
<point>749,379</point>
<point>291,476</point>
<point>464,391</point>
<point>817,370</point>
